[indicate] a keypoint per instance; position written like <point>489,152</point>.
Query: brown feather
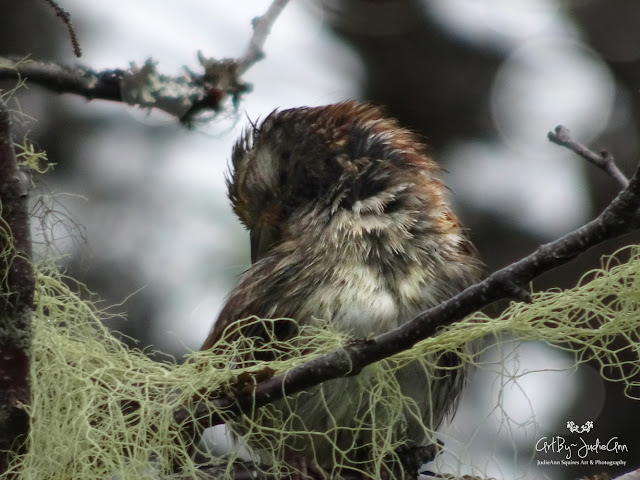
<point>350,223</point>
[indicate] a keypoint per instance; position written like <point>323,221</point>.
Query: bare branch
<point>66,18</point>
<point>16,296</point>
<point>604,160</point>
<point>261,28</point>
<point>635,475</point>
<point>620,217</point>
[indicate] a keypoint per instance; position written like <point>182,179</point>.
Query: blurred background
<point>138,203</point>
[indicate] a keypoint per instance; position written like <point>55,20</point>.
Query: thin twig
<point>66,18</point>
<point>620,217</point>
<point>261,28</point>
<point>604,160</point>
<point>634,475</point>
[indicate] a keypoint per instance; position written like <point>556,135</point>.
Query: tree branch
<point>16,296</point>
<point>79,80</point>
<point>562,136</point>
<point>261,29</point>
<point>620,217</point>
<point>66,19</point>
<point>634,475</point>
<point>184,96</point>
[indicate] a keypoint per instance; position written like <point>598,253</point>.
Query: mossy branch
<point>185,96</point>
<point>130,415</point>
<point>16,296</point>
<point>620,217</point>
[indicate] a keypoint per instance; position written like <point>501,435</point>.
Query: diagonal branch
<point>620,217</point>
<point>562,136</point>
<point>261,29</point>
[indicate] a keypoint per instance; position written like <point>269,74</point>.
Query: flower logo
<point>586,428</point>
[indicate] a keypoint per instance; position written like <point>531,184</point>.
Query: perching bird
<point>349,223</point>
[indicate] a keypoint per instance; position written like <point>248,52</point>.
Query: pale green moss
<point>102,410</point>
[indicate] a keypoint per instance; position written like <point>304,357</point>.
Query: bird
<point>350,223</point>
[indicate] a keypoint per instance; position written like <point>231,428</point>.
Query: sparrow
<point>350,224</point>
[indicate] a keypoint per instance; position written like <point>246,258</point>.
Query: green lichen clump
<point>102,410</point>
